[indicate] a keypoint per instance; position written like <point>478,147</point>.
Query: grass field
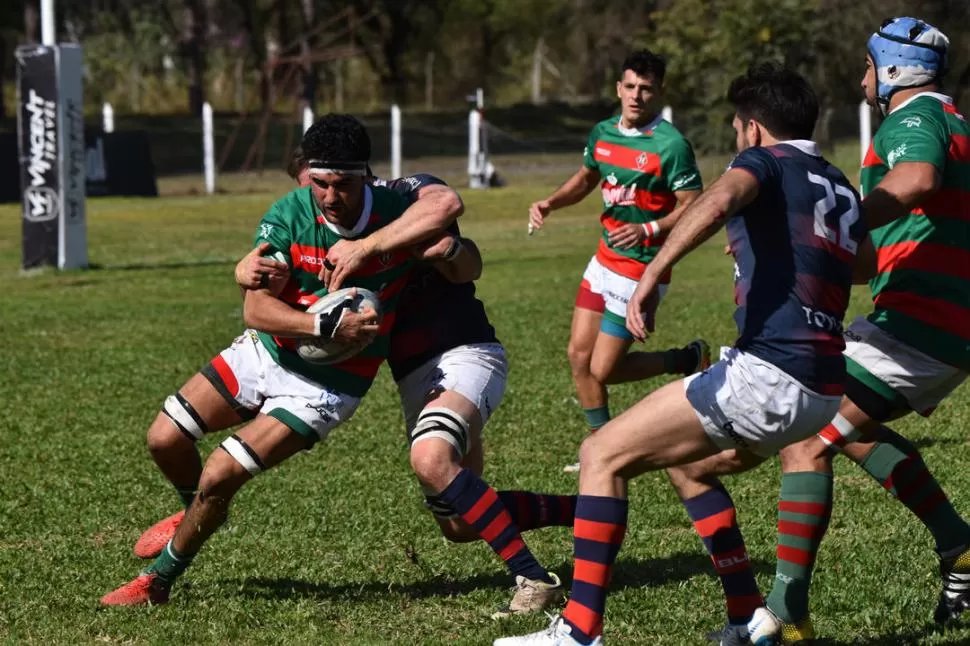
<point>334,547</point>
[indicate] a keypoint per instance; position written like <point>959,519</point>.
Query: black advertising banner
<point>39,167</point>
<point>116,163</point>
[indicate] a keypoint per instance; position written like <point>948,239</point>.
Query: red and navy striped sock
<point>479,506</point>
<point>598,534</point>
<point>534,510</point>
<point>715,519</point>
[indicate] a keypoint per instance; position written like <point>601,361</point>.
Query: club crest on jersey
<point>912,122</point>
<point>265,230</point>
<point>641,160</point>
<point>385,258</point>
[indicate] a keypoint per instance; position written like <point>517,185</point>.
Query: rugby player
<point>648,176</point>
<point>289,403</point>
<point>782,380</point>
<point>913,350</point>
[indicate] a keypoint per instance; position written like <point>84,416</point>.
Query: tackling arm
<point>435,209</point>
<point>903,188</point>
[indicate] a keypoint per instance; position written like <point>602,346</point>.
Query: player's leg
<point>212,400</point>
<point>258,446</point>
<point>587,316</point>
<point>714,516</point>
<point>464,386</point>
<point>680,423</point>
<point>613,363</point>
<point>296,413</point>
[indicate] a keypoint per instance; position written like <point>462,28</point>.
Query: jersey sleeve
<point>908,137</point>
<point>757,161</point>
<point>680,168</point>
<point>409,187</point>
<point>275,230</point>
<point>589,152</point>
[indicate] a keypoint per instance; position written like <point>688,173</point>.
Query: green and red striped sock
<point>898,466</point>
<point>803,516</point>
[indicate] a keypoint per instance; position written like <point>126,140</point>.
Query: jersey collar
<point>807,146</point>
<point>942,98</point>
<point>636,132</point>
<point>361,221</point>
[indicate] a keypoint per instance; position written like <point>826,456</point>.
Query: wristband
<point>651,229</point>
<point>327,323</point>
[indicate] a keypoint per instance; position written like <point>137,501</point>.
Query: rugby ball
<point>328,351</point>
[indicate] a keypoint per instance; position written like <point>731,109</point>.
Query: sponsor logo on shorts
<point>616,297</point>
<point>729,429</point>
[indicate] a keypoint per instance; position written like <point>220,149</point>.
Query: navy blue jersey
<point>794,247</point>
<point>434,315</point>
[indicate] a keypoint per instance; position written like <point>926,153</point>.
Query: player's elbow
<point>925,183</point>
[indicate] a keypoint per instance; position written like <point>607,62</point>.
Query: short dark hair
<point>643,62</point>
<point>337,137</point>
<point>296,163</point>
<point>778,98</point>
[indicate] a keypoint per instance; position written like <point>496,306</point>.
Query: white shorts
<point>478,372</point>
<point>246,375</point>
<point>614,288</point>
<point>920,379</point>
<point>744,402</point>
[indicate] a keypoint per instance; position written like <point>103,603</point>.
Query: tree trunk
<point>31,22</point>
<point>193,44</point>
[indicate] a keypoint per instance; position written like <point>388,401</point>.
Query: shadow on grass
<point>627,574</point>
<point>925,442</point>
<point>140,266</point>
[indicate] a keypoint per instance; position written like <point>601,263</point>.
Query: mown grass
<point>334,547</point>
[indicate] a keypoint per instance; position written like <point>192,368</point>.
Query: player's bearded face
<point>339,196</point>
<point>869,82</point>
<point>743,137</point>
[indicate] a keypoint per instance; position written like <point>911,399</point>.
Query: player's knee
<point>435,463</point>
<point>808,455</point>
<point>163,438</point>
<point>579,359</point>
<point>439,437</point>
<point>594,456</point>
<point>226,470</point>
<point>601,371</point>
<point>184,418</point>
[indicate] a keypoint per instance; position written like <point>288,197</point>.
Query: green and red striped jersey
<point>922,287</point>
<point>640,169</point>
<point>300,236</point>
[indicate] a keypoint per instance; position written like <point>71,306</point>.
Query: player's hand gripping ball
<point>324,349</point>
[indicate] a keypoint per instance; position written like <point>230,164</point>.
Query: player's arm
<point>701,220</point>
<point>903,188</point>
<point>631,235</point>
<point>435,208</point>
<point>704,217</point>
<point>263,311</point>
<point>572,191</point>
<point>457,259</point>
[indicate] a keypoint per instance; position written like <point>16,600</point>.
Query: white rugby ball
<point>327,351</point>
